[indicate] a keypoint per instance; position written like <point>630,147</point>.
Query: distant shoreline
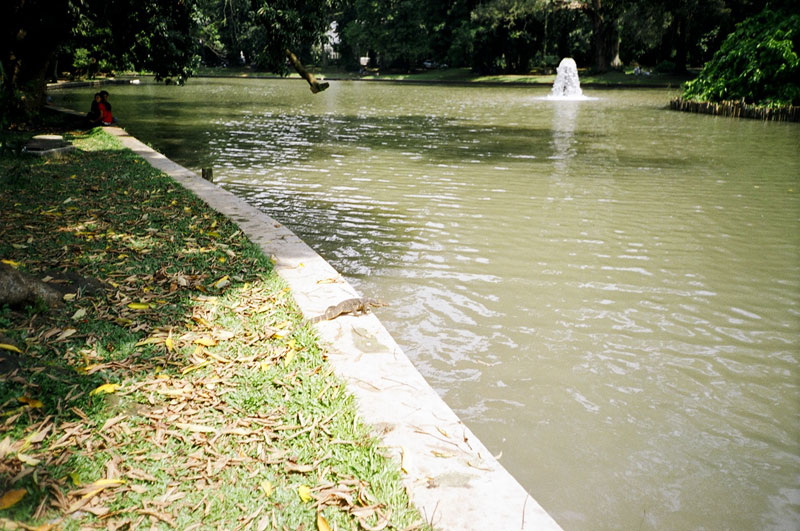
<point>455,77</point>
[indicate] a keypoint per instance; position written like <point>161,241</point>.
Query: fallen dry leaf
<point>12,348</point>
<point>304,491</point>
<point>11,498</point>
<point>322,524</point>
<point>32,402</point>
<point>106,388</point>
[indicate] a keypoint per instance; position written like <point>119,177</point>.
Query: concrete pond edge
<point>451,477</point>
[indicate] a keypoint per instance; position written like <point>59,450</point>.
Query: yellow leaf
<point>169,343</point>
<point>12,263</point>
<point>106,388</point>
<point>88,368</point>
<point>79,314</point>
<point>149,341</point>
<point>304,492</point>
<point>32,402</point>
<point>69,296</point>
<point>266,486</point>
<point>205,341</point>
<point>138,306</point>
<point>201,321</point>
<point>289,357</point>
<point>76,479</point>
<point>10,498</point>
<point>322,524</point>
<point>108,482</point>
<point>191,368</point>
<point>12,348</point>
<point>221,283</point>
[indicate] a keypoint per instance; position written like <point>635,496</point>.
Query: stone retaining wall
<point>736,109</point>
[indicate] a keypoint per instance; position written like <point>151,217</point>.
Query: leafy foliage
<point>757,63</point>
<point>290,25</point>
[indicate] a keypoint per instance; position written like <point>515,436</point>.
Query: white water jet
<point>567,86</point>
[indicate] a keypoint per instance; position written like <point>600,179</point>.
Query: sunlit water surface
<point>606,291</point>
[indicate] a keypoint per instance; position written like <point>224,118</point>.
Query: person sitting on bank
<point>108,118</point>
<point>94,116</point>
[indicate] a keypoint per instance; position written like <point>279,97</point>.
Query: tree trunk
<point>316,86</point>
<point>616,62</point>
<point>17,288</point>
<point>599,36</point>
<point>681,25</point>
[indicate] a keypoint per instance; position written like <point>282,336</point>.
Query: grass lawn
<point>185,393</point>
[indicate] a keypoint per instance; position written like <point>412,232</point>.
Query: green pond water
<point>607,292</point>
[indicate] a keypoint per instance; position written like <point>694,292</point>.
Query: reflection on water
<point>563,130</point>
<point>607,292</point>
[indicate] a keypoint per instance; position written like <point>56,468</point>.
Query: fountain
<point>567,86</point>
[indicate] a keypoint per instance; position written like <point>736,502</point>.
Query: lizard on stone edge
<point>354,306</point>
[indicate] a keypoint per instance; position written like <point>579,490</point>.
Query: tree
<point>164,37</point>
<point>155,35</point>
<point>30,32</point>
<point>396,31</point>
<point>508,34</point>
<point>757,63</point>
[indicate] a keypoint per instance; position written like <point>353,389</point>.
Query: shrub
<point>757,63</point>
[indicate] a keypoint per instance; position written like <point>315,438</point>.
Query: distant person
<point>94,116</point>
<point>108,118</point>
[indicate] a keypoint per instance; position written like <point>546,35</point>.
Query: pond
<point>606,291</point>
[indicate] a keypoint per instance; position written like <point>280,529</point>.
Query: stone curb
<point>449,474</point>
